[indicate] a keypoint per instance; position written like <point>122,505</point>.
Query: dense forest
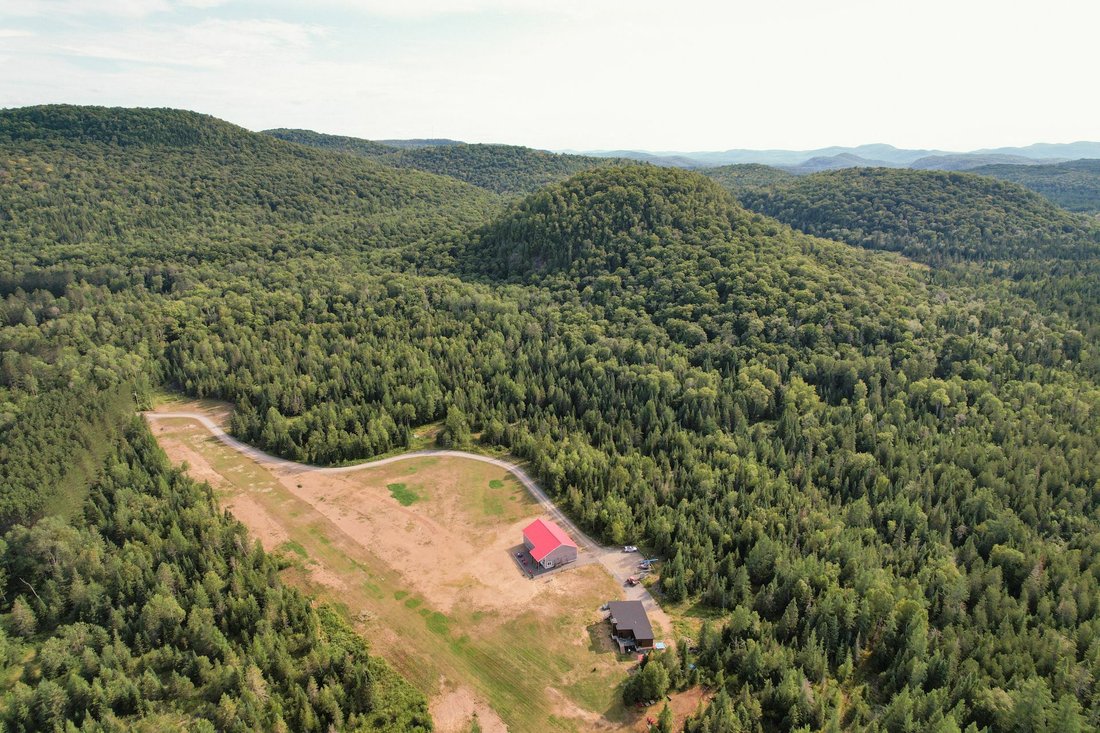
<point>744,176</point>
<point>503,169</point>
<point>1074,185</point>
<point>337,143</point>
<point>933,216</point>
<point>882,479</point>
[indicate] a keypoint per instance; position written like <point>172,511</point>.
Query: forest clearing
<point>416,555</point>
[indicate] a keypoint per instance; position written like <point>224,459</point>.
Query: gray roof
<point>631,615</point>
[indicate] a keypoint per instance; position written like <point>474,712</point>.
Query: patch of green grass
<point>438,623</point>
<point>399,594</point>
<point>294,547</point>
<point>413,603</point>
<point>496,484</point>
<point>404,495</point>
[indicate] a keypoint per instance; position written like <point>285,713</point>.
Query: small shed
<point>630,625</point>
<point>548,544</point>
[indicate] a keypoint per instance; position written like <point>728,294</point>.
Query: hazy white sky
<point>583,74</point>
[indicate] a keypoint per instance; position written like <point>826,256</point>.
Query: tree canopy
<point>881,478</point>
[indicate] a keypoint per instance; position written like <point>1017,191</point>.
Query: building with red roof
<point>548,544</point>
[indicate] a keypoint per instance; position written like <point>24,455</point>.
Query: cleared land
<point>416,554</point>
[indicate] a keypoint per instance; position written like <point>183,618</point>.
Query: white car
<point>629,548</point>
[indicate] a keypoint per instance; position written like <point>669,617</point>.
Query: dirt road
<point>619,564</point>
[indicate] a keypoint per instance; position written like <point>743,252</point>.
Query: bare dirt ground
<point>260,523</point>
<point>682,704</point>
<point>431,584</point>
<point>453,711</point>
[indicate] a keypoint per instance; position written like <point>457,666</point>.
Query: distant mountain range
<point>873,155</point>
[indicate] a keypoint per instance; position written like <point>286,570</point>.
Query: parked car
<point>629,548</point>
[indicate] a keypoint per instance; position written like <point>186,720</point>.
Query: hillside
<point>167,185</point>
<point>601,222</point>
<point>506,169</point>
<point>51,125</point>
<point>742,176</point>
<point>420,142</point>
<point>1073,185</point>
<point>115,223</point>
<point>970,161</point>
<point>779,463</point>
<point>834,162</point>
<point>930,215</point>
<point>339,143</point>
<point>875,482</point>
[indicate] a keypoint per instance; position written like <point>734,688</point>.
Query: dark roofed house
<point>630,625</point>
<point>548,544</point>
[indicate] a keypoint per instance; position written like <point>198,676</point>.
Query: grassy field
<point>415,555</point>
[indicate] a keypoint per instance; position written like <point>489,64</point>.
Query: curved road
<point>620,565</point>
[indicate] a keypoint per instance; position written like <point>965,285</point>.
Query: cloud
<point>209,44</point>
<point>83,8</point>
<point>424,9</point>
<point>591,74</point>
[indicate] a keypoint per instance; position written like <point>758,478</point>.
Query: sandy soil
<point>569,709</point>
<point>682,705</point>
<point>260,523</point>
<point>175,432</point>
<point>427,543</point>
<point>453,711</point>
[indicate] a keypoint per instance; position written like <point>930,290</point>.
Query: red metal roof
<point>545,536</point>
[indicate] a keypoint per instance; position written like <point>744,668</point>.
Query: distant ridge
<point>878,153</point>
<point>969,161</point>
<point>871,155</point>
<point>504,169</point>
<point>667,161</point>
<point>420,143</point>
<point>1074,151</point>
<point>341,143</point>
<point>836,162</point>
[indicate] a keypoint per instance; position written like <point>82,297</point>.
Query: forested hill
<point>50,125</point>
<point>881,485</point>
<point>1074,185</point>
<point>506,169</point>
<point>606,220</point>
<point>742,176</point>
<point>929,215</point>
<point>826,446</point>
<point>509,169</point>
<point>168,186</point>
<point>339,143</point>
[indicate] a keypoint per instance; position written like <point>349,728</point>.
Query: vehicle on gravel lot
<point>629,548</point>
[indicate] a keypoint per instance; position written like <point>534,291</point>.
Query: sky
<point>580,74</point>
